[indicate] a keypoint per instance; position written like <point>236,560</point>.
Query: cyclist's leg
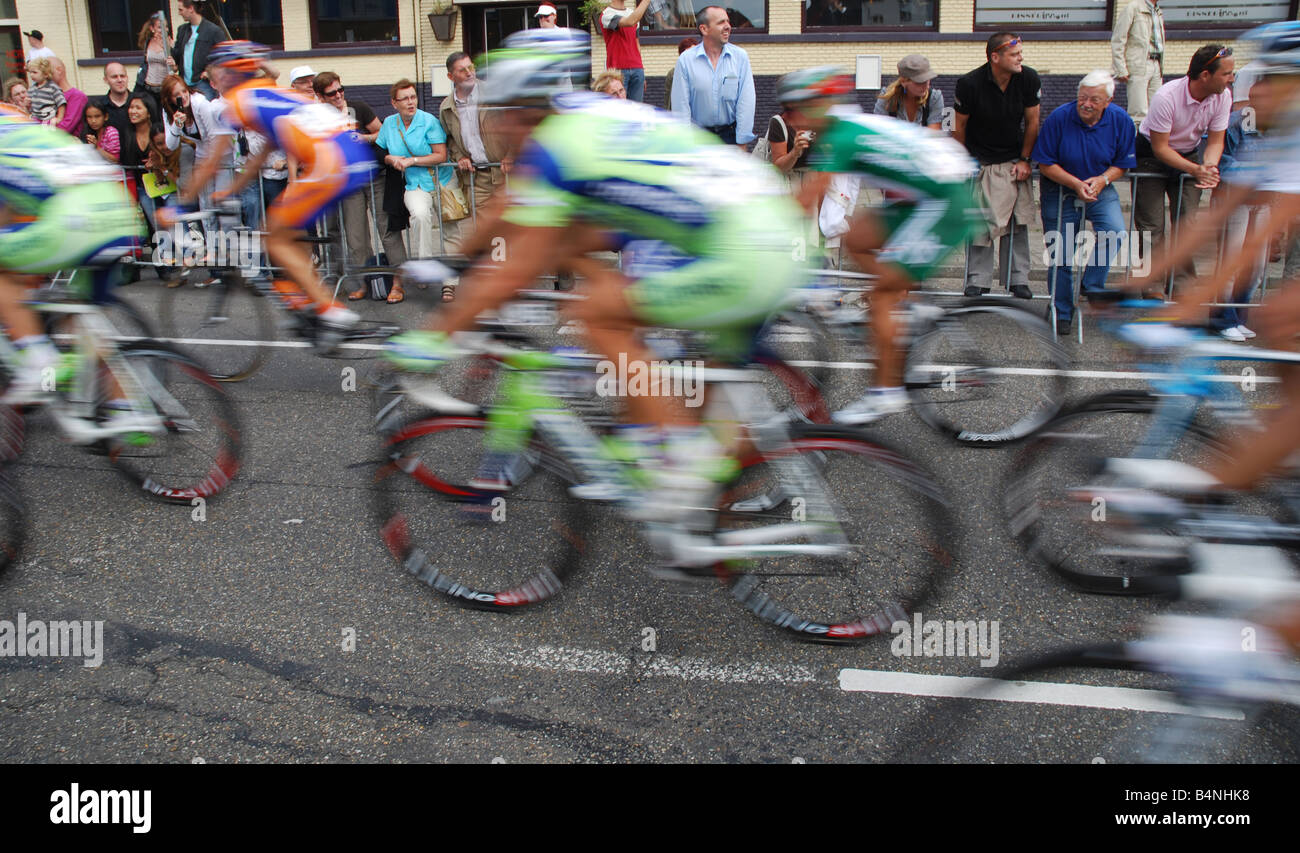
<point>867,235</point>
<point>328,178</point>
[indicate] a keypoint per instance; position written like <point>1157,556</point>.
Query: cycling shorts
<point>923,232</point>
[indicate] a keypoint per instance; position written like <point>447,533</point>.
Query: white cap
<point>544,10</point>
<point>300,72</point>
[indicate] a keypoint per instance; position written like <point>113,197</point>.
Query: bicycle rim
<point>484,548</point>
<point>13,527</point>
<point>893,519</point>
<point>987,374</point>
<point>199,450</point>
<point>200,318</point>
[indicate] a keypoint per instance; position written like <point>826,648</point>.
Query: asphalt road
<point>279,628</point>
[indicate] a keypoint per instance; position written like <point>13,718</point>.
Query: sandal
<point>448,293</point>
<point>396,295</point>
<point>359,293</point>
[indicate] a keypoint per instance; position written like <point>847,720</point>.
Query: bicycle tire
<point>958,379</point>
<point>201,450</point>
<point>485,549</point>
<point>188,315</point>
<point>1067,454</point>
<point>899,556</point>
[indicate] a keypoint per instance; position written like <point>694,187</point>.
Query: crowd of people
<point>436,170</point>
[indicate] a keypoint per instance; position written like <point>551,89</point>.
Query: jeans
<point>1061,238</point>
<point>1243,289</point>
<point>634,82</point>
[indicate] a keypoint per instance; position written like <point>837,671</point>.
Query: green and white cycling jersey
<point>633,170</point>
<point>76,207</point>
<point>929,177</point>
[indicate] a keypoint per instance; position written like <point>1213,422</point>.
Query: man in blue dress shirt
<point>713,85</point>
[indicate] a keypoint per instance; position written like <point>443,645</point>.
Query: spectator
<point>47,102</point>
<point>302,80</point>
<point>618,26</point>
<point>470,132</point>
<point>16,94</point>
<point>36,39</point>
<point>713,85</point>
<point>194,40</point>
<point>114,102</point>
<point>545,16</point>
<point>1137,50</point>
<point>1082,149</point>
<point>415,141</point>
<point>911,97</point>
<point>1168,138</point>
<point>73,121</point>
<point>609,82</point>
<point>164,165</point>
<point>682,46</point>
<point>356,224</point>
<point>194,127</point>
<point>780,131</point>
<point>991,103</point>
<point>101,134</point>
<point>157,64</point>
<point>135,149</point>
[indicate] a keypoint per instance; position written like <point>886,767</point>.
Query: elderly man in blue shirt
<point>1083,148</point>
<point>713,85</point>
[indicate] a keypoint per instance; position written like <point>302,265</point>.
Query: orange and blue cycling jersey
<point>335,160</point>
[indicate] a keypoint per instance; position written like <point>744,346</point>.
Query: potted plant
<point>589,13</point>
<point>443,19</point>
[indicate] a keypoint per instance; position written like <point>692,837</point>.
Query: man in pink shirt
<point>622,51</point>
<point>73,121</point>
<point>1168,138</point>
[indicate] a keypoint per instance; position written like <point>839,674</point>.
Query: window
<point>676,15</point>
<point>1044,14</point>
<point>486,27</point>
<point>1229,13</point>
<point>890,14</point>
<point>354,22</point>
<point>255,20</point>
<point>115,24</point>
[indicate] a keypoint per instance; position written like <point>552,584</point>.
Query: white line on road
<point>1042,693</point>
<point>565,659</point>
<point>833,365</point>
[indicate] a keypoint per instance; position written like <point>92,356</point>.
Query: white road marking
<point>1041,693</point>
<point>833,365</point>
<point>567,659</point>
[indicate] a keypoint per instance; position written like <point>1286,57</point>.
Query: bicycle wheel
<point>1070,535</point>
<point>893,520</point>
<point>199,451</point>
<point>988,373</point>
<point>799,352</point>
<point>484,548</point>
<point>229,310</point>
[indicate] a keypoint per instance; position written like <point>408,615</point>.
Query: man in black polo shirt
<point>991,103</point>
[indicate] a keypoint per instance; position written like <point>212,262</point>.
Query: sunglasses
<point>333,92</point>
<point>1007,44</point>
<point>1227,51</point>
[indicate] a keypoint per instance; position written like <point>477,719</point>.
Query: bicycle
<point>1178,421</point>
<point>983,372</point>
<point>474,500</point>
<point>237,310</point>
<point>1205,667</point>
<point>179,437</point>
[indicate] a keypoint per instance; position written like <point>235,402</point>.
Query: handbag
<point>378,283</point>
<point>451,198</point>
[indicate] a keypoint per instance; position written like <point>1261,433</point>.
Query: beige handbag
<point>451,196</point>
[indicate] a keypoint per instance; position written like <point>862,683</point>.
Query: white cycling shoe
<point>872,406</point>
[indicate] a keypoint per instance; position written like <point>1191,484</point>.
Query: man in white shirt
<point>36,39</point>
<point>1137,48</point>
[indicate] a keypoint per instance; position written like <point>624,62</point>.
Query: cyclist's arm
<point>252,168</point>
<point>205,172</point>
<point>1203,230</point>
<point>1206,288</point>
